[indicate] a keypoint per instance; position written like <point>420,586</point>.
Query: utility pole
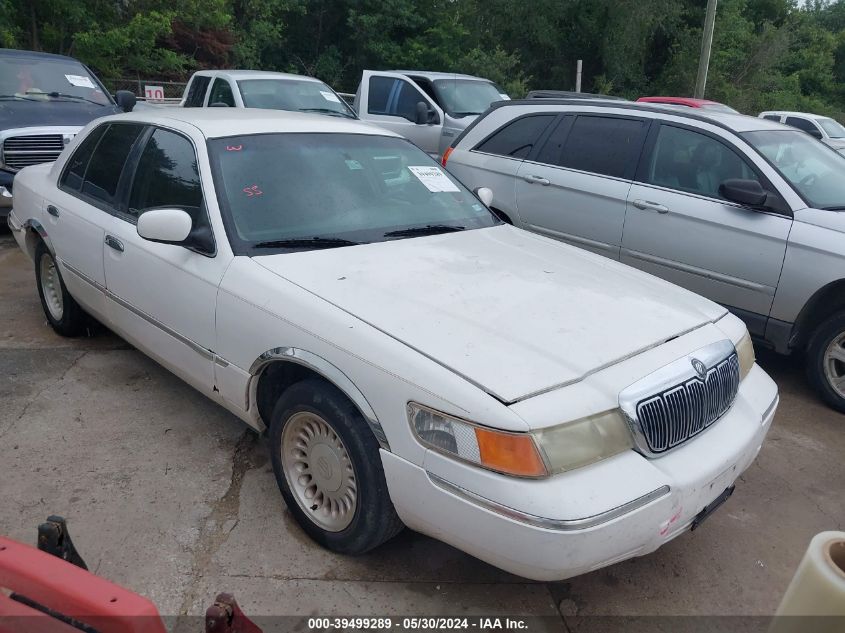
<point>578,76</point>
<point>706,44</point>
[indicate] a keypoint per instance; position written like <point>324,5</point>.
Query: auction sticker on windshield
<point>329,96</point>
<point>434,179</point>
<point>80,80</point>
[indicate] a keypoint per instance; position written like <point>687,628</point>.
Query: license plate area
<point>711,507</point>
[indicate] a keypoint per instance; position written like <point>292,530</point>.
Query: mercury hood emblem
<point>699,367</point>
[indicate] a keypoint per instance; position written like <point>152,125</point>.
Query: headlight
<point>745,354</point>
<point>509,453</point>
<point>575,444</point>
<point>538,454</point>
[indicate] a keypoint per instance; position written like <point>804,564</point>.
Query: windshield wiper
<point>307,242</point>
<point>64,95</point>
<point>17,97</point>
<point>835,208</point>
<point>327,111</point>
<point>431,229</point>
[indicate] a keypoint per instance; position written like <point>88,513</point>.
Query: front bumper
<point>523,526</point>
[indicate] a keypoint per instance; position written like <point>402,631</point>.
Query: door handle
<point>113,242</point>
<point>536,179</point>
<point>645,205</point>
<point>52,210</point>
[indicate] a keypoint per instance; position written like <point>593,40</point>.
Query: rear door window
<point>517,138</point>
<point>598,144</point>
<point>107,161</point>
<point>196,93</point>
<point>78,162</point>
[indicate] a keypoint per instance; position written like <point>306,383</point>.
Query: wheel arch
<point>35,232</point>
<point>280,367</point>
<point>825,302</point>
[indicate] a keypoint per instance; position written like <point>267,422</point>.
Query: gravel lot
<point>171,496</point>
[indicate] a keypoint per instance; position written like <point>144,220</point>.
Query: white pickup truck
<point>428,108</point>
<point>265,90</point>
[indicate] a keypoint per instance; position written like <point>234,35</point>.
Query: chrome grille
<point>22,151</point>
<point>676,414</point>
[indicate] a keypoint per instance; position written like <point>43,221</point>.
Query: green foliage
<point>766,53</point>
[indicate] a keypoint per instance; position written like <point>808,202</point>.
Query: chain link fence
<point>152,90</point>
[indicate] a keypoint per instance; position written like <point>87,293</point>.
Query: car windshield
<point>297,191</point>
<point>815,170</point>
<point>833,128</point>
<point>718,107</point>
<point>44,79</point>
<point>463,97</point>
<point>293,94</point>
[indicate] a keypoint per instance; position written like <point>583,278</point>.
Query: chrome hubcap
<point>51,287</point>
<point>834,364</point>
<point>318,471</point>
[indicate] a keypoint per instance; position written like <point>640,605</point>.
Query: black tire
<point>73,320</point>
<point>374,520</point>
<point>816,360</point>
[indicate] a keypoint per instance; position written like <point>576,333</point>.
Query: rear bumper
<point>542,542</point>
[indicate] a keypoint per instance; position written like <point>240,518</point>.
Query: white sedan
<point>415,361</point>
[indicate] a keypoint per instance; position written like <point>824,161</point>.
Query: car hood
<point>15,114</point>
<point>514,313</point>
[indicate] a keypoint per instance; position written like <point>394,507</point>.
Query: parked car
<point>44,101</point>
<point>428,108</point>
<point>742,210</point>
<point>827,130</point>
<point>687,102</point>
<point>265,90</point>
<point>416,360</point>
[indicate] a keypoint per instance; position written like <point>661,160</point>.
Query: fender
<point>325,369</point>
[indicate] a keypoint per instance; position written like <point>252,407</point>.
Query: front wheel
<point>826,361</point>
<point>326,461</point>
<point>63,313</point>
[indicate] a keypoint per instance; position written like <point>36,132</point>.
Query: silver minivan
<point>745,211</point>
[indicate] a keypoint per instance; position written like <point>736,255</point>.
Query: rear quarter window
<point>517,138</point>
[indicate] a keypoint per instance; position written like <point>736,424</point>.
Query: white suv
<point>745,211</point>
<point>415,360</point>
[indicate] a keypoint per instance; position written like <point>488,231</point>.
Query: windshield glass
<point>815,170</point>
<point>336,189</point>
<point>35,79</point>
<point>833,128</point>
<point>293,94</point>
<point>463,97</point>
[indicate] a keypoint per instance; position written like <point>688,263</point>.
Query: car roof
<point>254,74</point>
<point>569,94</point>
<point>12,52</point>
<point>687,101</point>
<point>733,122</point>
<point>221,122</point>
<point>433,74</point>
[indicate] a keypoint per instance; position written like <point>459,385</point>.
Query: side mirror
<point>171,226</point>
<point>422,114</point>
<point>815,133</point>
<point>125,99</point>
<point>485,194</point>
<point>747,192</point>
<point>218,104</point>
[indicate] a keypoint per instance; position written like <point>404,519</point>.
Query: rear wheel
<point>63,313</point>
<point>826,361</point>
<point>328,469</point>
